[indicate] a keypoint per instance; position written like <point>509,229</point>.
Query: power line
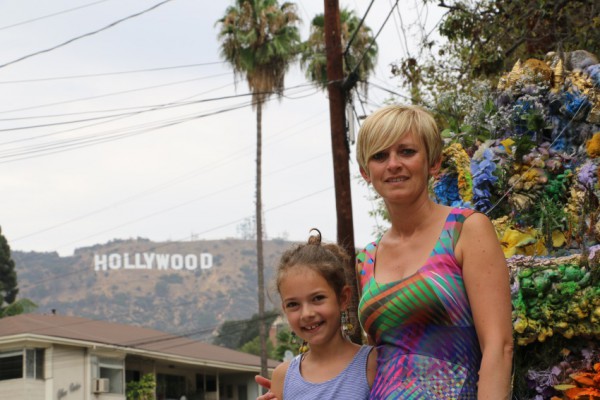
<point>374,38</point>
<point>134,71</point>
<point>204,169</point>
<point>362,20</point>
<point>115,93</point>
<point>101,137</point>
<point>51,15</point>
<point>85,34</point>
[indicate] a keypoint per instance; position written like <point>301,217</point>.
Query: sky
<point>140,130</point>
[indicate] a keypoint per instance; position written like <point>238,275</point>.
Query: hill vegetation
<point>187,302</point>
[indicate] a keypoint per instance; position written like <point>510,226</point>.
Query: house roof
<point>131,339</point>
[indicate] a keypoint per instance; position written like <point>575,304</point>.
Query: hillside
<point>179,294</point>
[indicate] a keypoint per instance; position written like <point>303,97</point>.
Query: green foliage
<point>8,276</point>
<point>555,299</point>
<point>360,57</point>
<point>259,39</point>
<point>235,334</point>
<point>483,38</point>
<point>143,389</point>
<point>9,305</point>
<point>284,343</point>
<point>253,346</point>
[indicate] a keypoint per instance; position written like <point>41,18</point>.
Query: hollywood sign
<point>158,261</point>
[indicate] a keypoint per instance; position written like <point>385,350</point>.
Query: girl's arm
<point>278,379</point>
<point>486,278</point>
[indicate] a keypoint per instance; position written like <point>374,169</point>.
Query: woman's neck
<point>408,218</point>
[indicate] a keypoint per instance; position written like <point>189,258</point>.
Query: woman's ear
<point>435,168</point>
<point>365,175</point>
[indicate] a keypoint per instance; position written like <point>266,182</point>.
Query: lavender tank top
<point>350,384</point>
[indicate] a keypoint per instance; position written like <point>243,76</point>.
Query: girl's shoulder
<point>278,379</point>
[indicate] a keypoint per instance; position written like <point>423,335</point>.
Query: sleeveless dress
<point>422,325</point>
<point>350,384</point>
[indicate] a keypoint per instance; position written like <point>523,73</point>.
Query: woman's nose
<point>393,161</point>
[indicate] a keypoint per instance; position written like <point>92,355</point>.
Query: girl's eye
<point>291,304</point>
<point>319,297</point>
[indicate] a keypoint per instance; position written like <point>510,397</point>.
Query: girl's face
<point>311,306</point>
<point>401,171</point>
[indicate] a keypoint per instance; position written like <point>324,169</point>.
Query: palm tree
<point>259,38</point>
<point>360,57</point>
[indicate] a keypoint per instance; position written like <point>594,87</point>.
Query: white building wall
<point>68,373</point>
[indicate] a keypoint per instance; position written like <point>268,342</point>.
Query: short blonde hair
<point>389,124</point>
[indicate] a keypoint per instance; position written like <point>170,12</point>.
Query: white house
<point>54,357</point>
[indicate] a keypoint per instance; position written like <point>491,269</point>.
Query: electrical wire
<point>374,38</point>
<point>50,15</point>
<point>112,24</point>
<point>134,71</point>
<point>362,20</point>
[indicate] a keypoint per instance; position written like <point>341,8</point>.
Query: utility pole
<point>339,142</point>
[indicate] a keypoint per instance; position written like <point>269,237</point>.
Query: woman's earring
<point>347,326</point>
<point>293,338</point>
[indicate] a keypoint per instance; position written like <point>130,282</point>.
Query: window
<point>12,364</point>
<point>111,369</point>
<point>34,359</point>
<point>170,386</point>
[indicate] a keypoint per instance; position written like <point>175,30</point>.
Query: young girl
<point>311,281</point>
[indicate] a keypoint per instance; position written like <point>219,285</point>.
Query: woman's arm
<point>487,284</point>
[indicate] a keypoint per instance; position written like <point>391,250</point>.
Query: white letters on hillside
<point>158,261</point>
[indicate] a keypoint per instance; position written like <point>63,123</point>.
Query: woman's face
<point>400,172</point>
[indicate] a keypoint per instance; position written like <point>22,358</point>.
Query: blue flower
<point>483,180</point>
<point>575,103</point>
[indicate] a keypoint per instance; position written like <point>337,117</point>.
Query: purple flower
<point>587,174</point>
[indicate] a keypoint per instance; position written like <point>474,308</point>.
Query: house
<point>55,357</point>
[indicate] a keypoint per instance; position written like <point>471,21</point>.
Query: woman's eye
<point>408,152</point>
<point>379,156</point>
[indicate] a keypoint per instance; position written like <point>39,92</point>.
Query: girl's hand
<point>266,383</point>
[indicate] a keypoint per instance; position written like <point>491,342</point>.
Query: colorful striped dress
<point>422,325</point>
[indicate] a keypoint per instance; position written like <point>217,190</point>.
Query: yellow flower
<point>592,146</point>
<point>508,143</point>
<point>514,241</point>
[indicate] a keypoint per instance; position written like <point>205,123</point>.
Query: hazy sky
<point>132,131</point>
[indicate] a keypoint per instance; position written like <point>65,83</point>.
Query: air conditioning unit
<point>101,385</point>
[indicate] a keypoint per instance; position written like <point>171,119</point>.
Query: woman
<point>435,295</point>
<point>435,286</point>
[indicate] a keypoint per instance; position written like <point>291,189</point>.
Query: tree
<point>259,39</point>
<point>9,305</point>
<point>234,334</point>
<point>484,38</point>
<point>143,389</point>
<point>359,58</point>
